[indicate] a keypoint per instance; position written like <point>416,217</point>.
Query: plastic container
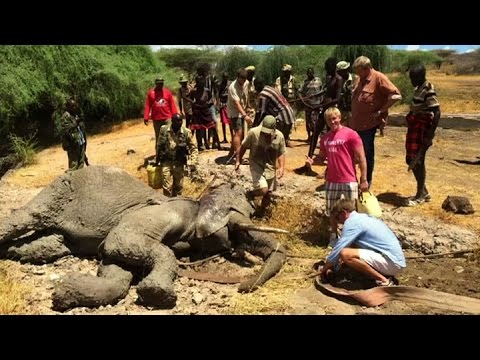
<point>154,176</point>
<point>368,203</point>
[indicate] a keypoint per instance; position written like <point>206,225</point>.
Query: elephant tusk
<point>243,226</point>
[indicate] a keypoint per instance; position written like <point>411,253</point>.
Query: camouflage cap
<point>182,79</point>
<point>269,124</point>
<point>159,80</point>
<point>287,67</point>
<point>343,65</point>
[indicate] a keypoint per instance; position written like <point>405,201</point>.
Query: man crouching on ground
<point>267,149</point>
<point>366,245</point>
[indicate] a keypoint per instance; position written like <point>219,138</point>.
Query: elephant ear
<point>217,205</point>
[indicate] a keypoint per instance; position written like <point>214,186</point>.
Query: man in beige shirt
<point>373,94</point>
<point>237,104</point>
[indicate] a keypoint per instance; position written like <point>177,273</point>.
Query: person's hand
<point>326,275</point>
<point>248,119</point>
<point>280,173</point>
<point>237,168</point>
<point>308,161</point>
<point>363,185</point>
<point>145,121</point>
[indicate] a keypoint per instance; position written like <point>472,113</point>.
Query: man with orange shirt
<point>372,96</point>
<point>159,106</point>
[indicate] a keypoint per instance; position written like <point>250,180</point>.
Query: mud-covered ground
<point>424,230</point>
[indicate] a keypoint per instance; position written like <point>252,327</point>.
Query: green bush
<point>108,82</point>
<point>402,82</point>
<point>24,148</point>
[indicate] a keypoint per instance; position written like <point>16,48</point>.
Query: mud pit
<point>426,229</point>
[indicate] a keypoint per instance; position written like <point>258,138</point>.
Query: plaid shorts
<point>335,190</point>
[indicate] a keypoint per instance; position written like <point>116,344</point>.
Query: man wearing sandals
<point>422,121</point>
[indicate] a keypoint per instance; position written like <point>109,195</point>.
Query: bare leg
<point>351,258</point>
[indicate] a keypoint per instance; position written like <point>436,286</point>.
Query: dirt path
<point>426,229</point>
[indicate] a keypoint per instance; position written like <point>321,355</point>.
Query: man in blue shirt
<point>366,245</point>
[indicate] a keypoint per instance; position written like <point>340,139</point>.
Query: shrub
<point>24,148</point>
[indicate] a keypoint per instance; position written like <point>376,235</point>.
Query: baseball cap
<point>182,79</point>
<point>160,79</point>
<point>287,67</point>
<point>269,124</point>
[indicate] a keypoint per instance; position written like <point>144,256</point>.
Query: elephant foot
<point>76,289</point>
<point>151,293</point>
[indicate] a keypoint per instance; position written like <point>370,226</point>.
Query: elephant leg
<point>127,244</point>
<point>261,244</point>
<point>39,251</point>
<point>109,286</point>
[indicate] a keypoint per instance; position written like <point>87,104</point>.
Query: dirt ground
<point>425,229</point>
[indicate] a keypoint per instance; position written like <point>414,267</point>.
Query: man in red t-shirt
<point>159,106</point>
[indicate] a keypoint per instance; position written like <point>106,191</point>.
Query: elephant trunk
<point>19,223</point>
<point>257,243</point>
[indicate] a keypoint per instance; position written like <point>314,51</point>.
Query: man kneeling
<point>366,245</point>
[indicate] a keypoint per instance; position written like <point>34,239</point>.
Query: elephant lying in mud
<point>134,229</point>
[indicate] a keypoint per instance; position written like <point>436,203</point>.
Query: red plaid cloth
<point>417,126</point>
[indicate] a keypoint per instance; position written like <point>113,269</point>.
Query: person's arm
<point>430,133</point>
<point>239,156</point>
<point>192,150</point>
<point>350,232</point>
<point>393,95</point>
<point>281,166</point>
<point>359,157</point>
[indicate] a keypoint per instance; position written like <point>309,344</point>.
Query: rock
<point>197,298</point>
<point>54,277</point>
<point>458,205</point>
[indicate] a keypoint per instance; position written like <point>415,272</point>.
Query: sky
<point>458,48</point>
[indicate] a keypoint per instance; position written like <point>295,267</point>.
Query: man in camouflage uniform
<point>286,84</point>
<point>74,139</point>
<point>174,146</point>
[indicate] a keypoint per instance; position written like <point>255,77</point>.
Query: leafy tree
<point>378,54</point>
<point>236,58</point>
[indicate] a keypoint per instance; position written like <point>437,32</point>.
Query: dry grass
<point>273,296</point>
<point>12,292</point>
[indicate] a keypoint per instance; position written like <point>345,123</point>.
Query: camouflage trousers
<point>172,174</point>
<point>76,158</point>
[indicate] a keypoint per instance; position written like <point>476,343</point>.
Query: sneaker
<point>391,281</point>
<point>414,201</point>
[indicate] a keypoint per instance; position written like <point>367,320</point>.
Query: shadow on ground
<point>392,198</point>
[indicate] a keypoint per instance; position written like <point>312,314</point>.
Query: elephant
<point>103,211</point>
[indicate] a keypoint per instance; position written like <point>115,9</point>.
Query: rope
<point>458,252</point>
<point>198,262</point>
